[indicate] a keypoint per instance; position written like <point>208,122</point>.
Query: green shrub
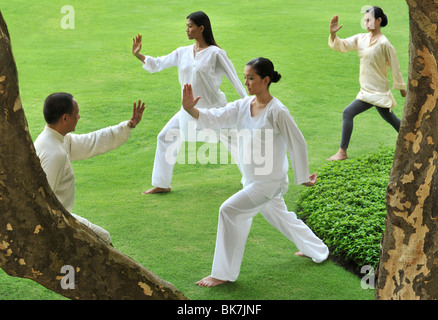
<point>346,207</point>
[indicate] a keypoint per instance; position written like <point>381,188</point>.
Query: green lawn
<point>174,234</point>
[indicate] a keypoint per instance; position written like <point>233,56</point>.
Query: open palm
<point>334,25</point>
<point>136,44</point>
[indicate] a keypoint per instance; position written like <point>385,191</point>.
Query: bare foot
<point>156,190</point>
<point>340,155</point>
<point>300,254</point>
<point>210,282</point>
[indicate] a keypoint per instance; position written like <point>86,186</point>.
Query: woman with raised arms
<point>203,65</point>
<point>376,55</point>
<point>264,117</point>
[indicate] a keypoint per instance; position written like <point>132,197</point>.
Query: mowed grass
<point>174,235</point>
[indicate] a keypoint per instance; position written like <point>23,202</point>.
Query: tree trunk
<point>408,266</point>
<point>39,239</point>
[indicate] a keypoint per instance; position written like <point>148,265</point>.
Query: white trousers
<point>169,142</point>
<point>163,164</point>
<point>99,231</point>
<point>235,219</point>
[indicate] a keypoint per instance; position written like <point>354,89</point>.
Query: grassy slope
<point>174,234</point>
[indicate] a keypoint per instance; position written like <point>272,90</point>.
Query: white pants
<point>163,168</point>
<point>99,231</point>
<point>169,143</point>
<point>235,218</point>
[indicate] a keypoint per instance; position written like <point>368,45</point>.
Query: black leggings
<point>356,107</point>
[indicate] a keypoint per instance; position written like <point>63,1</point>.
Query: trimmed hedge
<point>346,207</point>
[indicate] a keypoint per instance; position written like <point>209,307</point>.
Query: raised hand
<point>137,114</point>
<point>136,44</point>
<point>334,26</point>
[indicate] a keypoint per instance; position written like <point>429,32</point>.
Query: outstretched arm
<point>84,146</point>
<point>225,64</point>
<point>189,102</point>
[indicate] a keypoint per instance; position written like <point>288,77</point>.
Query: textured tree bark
<point>408,266</point>
<point>38,237</point>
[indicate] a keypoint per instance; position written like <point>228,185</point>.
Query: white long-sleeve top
<point>56,152</point>
<point>267,136</point>
<point>376,58</point>
<point>204,71</point>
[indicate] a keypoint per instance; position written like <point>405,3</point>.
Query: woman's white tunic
<point>376,58</point>
<point>267,137</point>
<point>204,71</point>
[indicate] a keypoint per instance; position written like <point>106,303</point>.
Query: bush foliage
<point>346,207</point>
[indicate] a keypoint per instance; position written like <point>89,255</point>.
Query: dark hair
<point>378,13</point>
<point>201,19</point>
<point>265,68</point>
<point>56,105</point>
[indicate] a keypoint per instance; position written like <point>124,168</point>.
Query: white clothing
<point>375,60</point>
<point>235,219</point>
<point>281,133</point>
<point>262,192</point>
<point>204,72</point>
<point>163,167</point>
<point>57,151</point>
<point>168,145</point>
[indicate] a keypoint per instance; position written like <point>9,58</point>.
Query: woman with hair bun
<point>202,64</point>
<point>263,120</point>
<point>376,55</point>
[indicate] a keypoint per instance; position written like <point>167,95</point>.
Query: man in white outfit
<point>56,147</point>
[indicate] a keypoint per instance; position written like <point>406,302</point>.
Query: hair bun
<point>378,13</point>
<point>384,21</point>
<point>276,77</point>
<point>265,68</point>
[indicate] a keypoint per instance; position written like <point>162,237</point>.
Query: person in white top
<point>56,147</point>
<point>203,65</point>
<point>260,120</point>
<point>376,55</point>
